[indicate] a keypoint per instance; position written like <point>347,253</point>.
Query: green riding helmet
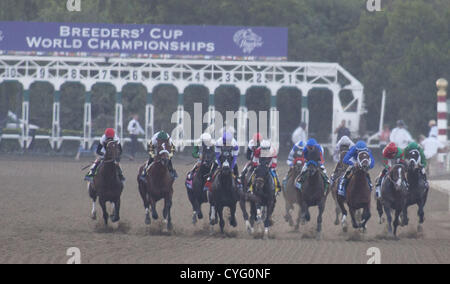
<point>162,136</point>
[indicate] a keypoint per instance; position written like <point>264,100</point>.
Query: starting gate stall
<point>88,71</point>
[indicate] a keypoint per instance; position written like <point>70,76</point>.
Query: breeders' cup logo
<point>1,36</point>
<point>247,40</point>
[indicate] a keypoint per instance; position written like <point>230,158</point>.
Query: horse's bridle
<point>401,178</point>
<point>112,159</point>
<point>368,159</point>
<point>416,162</point>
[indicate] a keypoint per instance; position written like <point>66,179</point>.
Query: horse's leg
<point>166,212</point>
<point>221,222</point>
<point>289,209</point>
<point>353,216</point>
<point>387,210</point>
<point>116,217</point>
<point>195,205</point>
<point>153,207</point>
<point>365,217</point>
<point>268,221</point>
<point>233,221</point>
<point>396,221</point>
<point>404,214</point>
<point>341,202</point>
<point>380,210</point>
<point>337,210</point>
<point>93,195</point>
<point>243,206</point>
<point>144,197</point>
<point>252,216</point>
<point>212,211</point>
<point>320,219</point>
<point>105,212</point>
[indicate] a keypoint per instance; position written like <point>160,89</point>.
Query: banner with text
<point>154,41</point>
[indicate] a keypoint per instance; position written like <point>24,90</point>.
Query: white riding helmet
<point>266,149</point>
<point>206,139</point>
<point>345,141</point>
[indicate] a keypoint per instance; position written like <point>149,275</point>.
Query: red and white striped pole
<point>442,111</point>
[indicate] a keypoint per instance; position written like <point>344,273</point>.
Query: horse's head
<point>312,168</point>
<point>208,156</point>
<point>227,160</point>
<point>364,160</point>
<point>162,152</point>
<point>261,174</point>
<point>397,176</point>
<point>111,150</point>
<point>413,158</point>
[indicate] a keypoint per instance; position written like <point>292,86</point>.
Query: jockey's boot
<point>276,181</point>
<point>342,188</point>
<point>121,176</point>
<point>90,175</point>
<point>191,173</point>
<point>379,183</point>
<point>369,180</point>
<point>301,179</point>
<point>172,171</point>
<point>142,176</point>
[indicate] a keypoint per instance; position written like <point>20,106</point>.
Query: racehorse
<point>262,201</point>
<point>358,193</point>
<point>107,185</point>
<point>311,194</point>
<point>290,192</point>
<point>196,192</point>
<point>341,168</point>
<point>224,192</point>
<point>158,185</point>
<point>394,195</point>
<point>418,189</point>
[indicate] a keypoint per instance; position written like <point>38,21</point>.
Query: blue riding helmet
<point>361,146</point>
<point>227,138</point>
<point>311,142</point>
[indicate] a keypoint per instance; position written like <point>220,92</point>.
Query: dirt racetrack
<point>44,209</point>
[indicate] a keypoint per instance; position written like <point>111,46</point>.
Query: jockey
<point>344,144</point>
<point>227,140</point>
<point>254,144</point>
<point>110,135</point>
<point>349,159</point>
<point>252,153</point>
<point>268,154</point>
<point>422,161</point>
<point>151,145</point>
<point>391,155</point>
<point>206,143</point>
<point>310,148</point>
<point>296,154</point>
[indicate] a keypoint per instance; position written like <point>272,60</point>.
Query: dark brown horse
<point>339,172</point>
<point>224,192</point>
<point>107,185</point>
<point>158,185</point>
<point>418,188</point>
<point>394,193</point>
<point>290,192</point>
<point>311,194</point>
<point>262,199</point>
<point>196,193</point>
<point>358,194</point>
